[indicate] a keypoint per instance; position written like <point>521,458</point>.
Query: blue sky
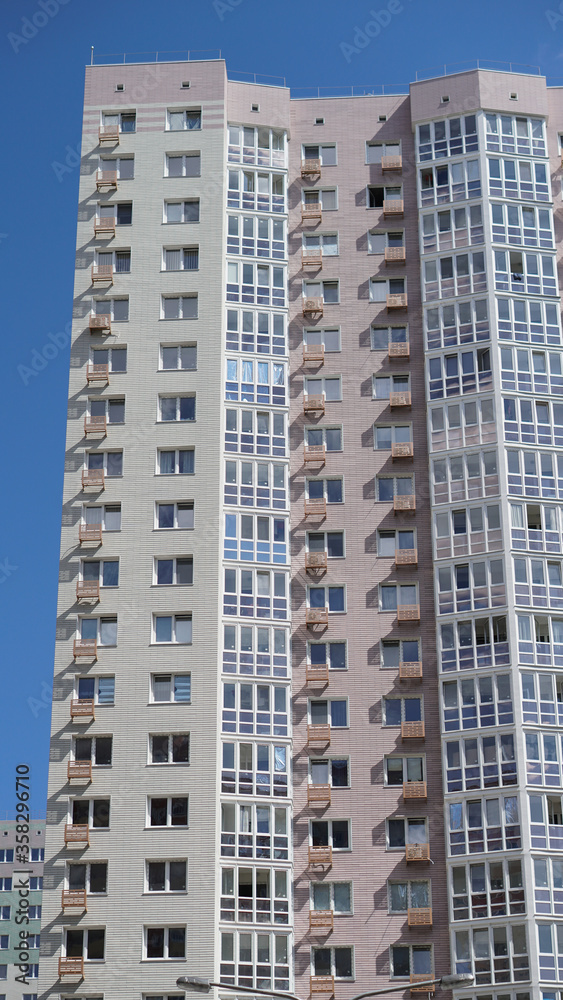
<point>44,45</point>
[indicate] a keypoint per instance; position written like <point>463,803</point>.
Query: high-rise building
<point>307,716</point>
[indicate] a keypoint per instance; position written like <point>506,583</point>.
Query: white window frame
<point>174,619</point>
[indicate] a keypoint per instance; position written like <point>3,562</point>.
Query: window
<point>100,689</point>
<point>103,631</point>
<point>451,182</point>
<point>387,435</point>
<point>255,381</point>
<point>497,954</point>
<point>447,277</point>
<point>261,709</point>
<point>490,824</point>
<point>376,150</point>
<point>398,710</point>
<point>112,409</point>
<point>93,813</point>
<point>37,853</point>
<point>326,243</point>
<point>172,628</point>
<point>8,855</point>
<point>483,701</point>
<point>327,198</point>
<point>329,338</point>
<point>331,437</point>
<point>400,770</point>
<point>181,211</point>
<point>380,288</point>
<point>185,259</point>
<point>385,385</point>
<point>121,212</point>
<point>401,832</point>
<point>531,371</point>
<point>175,515</point>
<point>518,179</point>
<point>329,489</point>
<point>261,650</point>
<point>261,332</point>
<point>171,688</point>
<point>331,542</point>
<point>88,944</point>
<point>179,307</point>
<point>449,228</point>
<point>519,224</point>
<point>119,260</point>
<point>471,586</point>
<point>122,165</point>
<point>176,407</point>
<point>258,484</point>
<point>259,538</point>
<point>465,529</point>
<point>249,189</point>
<point>488,890</point>
<point>395,651</point>
<point>509,134</point>
<point>407,960</point>
<point>169,749</point>
<point>116,309</point>
<point>333,833</point>
<point>461,323</point>
<point>333,598</point>
<point>403,896</point>
<point>263,146</point>
<point>448,137</point>
<point>166,876</point>
<point>98,749</point>
<point>182,165</point>
<point>262,590</point>
<point>180,462</point>
<point>252,431</point>
<point>331,711</point>
<point>179,571</point>
<point>329,387</point>
<point>531,273</point>
<point>36,882</point>
<point>326,154</point>
<point>5,941</point>
<point>388,487</point>
<point>114,357</point>
<point>454,374</point>
<point>255,768</point>
<point>263,284</point>
<point>335,896</point>
<point>110,461</point>
<point>165,942</point>
<point>483,762</point>
<point>255,957</point>
<point>379,241</point>
<point>124,120</point>
<point>259,894</point>
<point>389,542</point>
<point>256,237</point>
<point>461,424</point>
<point>393,596</point>
<point>178,121</point>
<point>91,877</point>
<point>337,962</point>
<point>171,811</point>
<point>334,771</point>
<point>378,195</point>
<point>542,699</point>
<point>34,941</point>
<point>528,321</point>
<point>180,356</point>
<point>5,884</point>
<point>103,571</point>
<point>383,336</point>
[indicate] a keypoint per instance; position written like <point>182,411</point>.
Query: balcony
<point>316,616</point>
<point>318,795</point>
<point>312,305</point>
<point>417,852</point>
<point>85,650</point>
<point>400,399</point>
<point>420,916</point>
<point>404,449</point>
<point>394,255</point>
<point>82,708</point>
<point>100,323</point>
<point>313,404</point>
<point>97,374</point>
<point>106,180</point>
<point>394,207</point>
<point>318,734</point>
<point>320,855</point>
<point>71,967</point>
<point>105,226</point>
<point>408,613</point>
<point>412,730</point>
<point>95,425</point>
<point>410,671</point>
<point>93,479</point>
<point>399,301</point>
<point>404,502</point>
<point>321,920</point>
<point>316,673</point>
<point>88,590</point>
<point>81,770</point>
<point>77,834</point>
<point>313,453</point>
<point>396,350</point>
<point>406,557</point>
<point>90,533</point>
<point>322,985</point>
<point>316,561</point>
<point>73,899</point>
<point>415,978</point>
<point>315,508</point>
<point>311,168</point>
<point>414,790</point>
<point>102,273</point>
<point>391,163</point>
<point>315,354</point>
<point>108,133</point>
<point>312,212</point>
<point>312,258</point>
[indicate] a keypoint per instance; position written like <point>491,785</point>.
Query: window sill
<point>161,586</point>
<point>179,270</point>
<point>163,959</point>
<point>167,644</point>
<point>164,892</point>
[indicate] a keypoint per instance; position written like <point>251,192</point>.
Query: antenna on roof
<point>91,55</point>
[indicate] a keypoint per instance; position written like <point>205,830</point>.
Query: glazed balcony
<point>316,616</point>
<point>90,533</point>
<point>97,374</point>
<point>85,650</point>
<point>412,730</point>
<point>109,133</point>
<point>311,168</point>
<point>314,354</point>
<point>313,404</point>
<point>321,920</point>
<point>403,449</point>
<point>102,273</point>
<point>73,899</point>
<point>82,708</point>
<point>77,834</point>
<point>95,425</point>
<point>93,479</point>
<point>316,673</point>
<point>417,852</point>
<point>408,612</point>
<point>391,163</point>
<point>406,557</point>
<point>314,453</point>
<point>312,257</point>
<point>393,207</point>
<point>71,967</point>
<point>315,508</point>
<point>318,734</point>
<point>106,180</point>
<point>397,350</point>
<point>316,561</point>
<point>81,770</point>
<point>395,255</point>
<point>318,795</point>
<point>415,790</point>
<point>322,985</point>
<point>320,855</point>
<point>404,502</point>
<point>312,305</point>
<point>410,671</point>
<point>104,226</point>
<point>100,323</point>
<point>398,301</point>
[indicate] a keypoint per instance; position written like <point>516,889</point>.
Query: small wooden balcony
<point>88,590</point>
<point>316,673</point>
<point>74,899</point>
<point>318,795</point>
<point>403,449</point>
<point>100,323</point>
<point>399,301</point>
<point>415,790</point>
<point>322,985</point>
<point>417,852</point>
<point>410,671</point>
<point>108,133</point>
<point>408,612</point>
<point>315,508</point>
<point>312,305</point>
<point>102,273</point>
<point>82,708</point>
<point>318,734</point>
<point>311,168</point>
<point>397,350</point>
<point>104,226</point>
<point>77,834</point>
<point>416,978</point>
<point>313,404</point>
<point>320,855</point>
<point>404,502</point>
<point>412,730</point>
<point>316,616</point>
<point>84,650</point>
<point>420,916</point>
<point>311,212</point>
<point>97,374</point>
<point>321,920</point>
<point>315,561</point>
<point>395,255</point>
<point>394,207</point>
<point>106,180</point>
<point>398,400</point>
<point>406,557</point>
<point>314,354</point>
<point>90,533</point>
<point>93,479</point>
<point>71,967</point>
<point>312,257</point>
<point>79,770</point>
<point>314,453</point>
<point>95,425</point>
<point>391,163</point>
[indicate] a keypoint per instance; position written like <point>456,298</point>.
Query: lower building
<point>21,884</point>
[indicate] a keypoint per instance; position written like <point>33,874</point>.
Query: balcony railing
<point>314,453</point>
<point>90,533</point>
<point>313,404</point>
<point>393,206</point>
<point>101,321</point>
<point>312,257</point>
<point>404,502</point>
<point>310,168</point>
<point>420,916</point>
<point>403,449</point>
<point>315,560</point>
<point>73,899</point>
<point>417,852</point>
<point>320,855</point>
<point>315,508</point>
<point>93,478</point>
<point>400,399</point>
<point>412,730</point>
<point>316,673</point>
<point>410,671</point>
<point>321,920</point>
<point>97,374</point>
<point>312,304</point>
<point>102,272</point>
<point>95,425</point>
<point>312,212</point>
<point>77,834</point>
<point>315,353</point>
<point>419,978</point>
<point>391,163</point>
<point>399,301</point>
<point>108,133</point>
<point>82,708</point>
<point>79,769</point>
<point>85,650</point>
<point>106,179</point>
<point>408,612</point>
<point>319,733</point>
<point>318,794</point>
<point>104,226</point>
<point>88,590</point>
<point>71,967</point>
<point>398,350</point>
<point>414,790</point>
<point>406,557</point>
<point>316,616</point>
<point>394,254</point>
<point>322,985</point>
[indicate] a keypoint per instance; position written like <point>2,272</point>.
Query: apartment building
<point>306,715</point>
<point>21,882</point>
